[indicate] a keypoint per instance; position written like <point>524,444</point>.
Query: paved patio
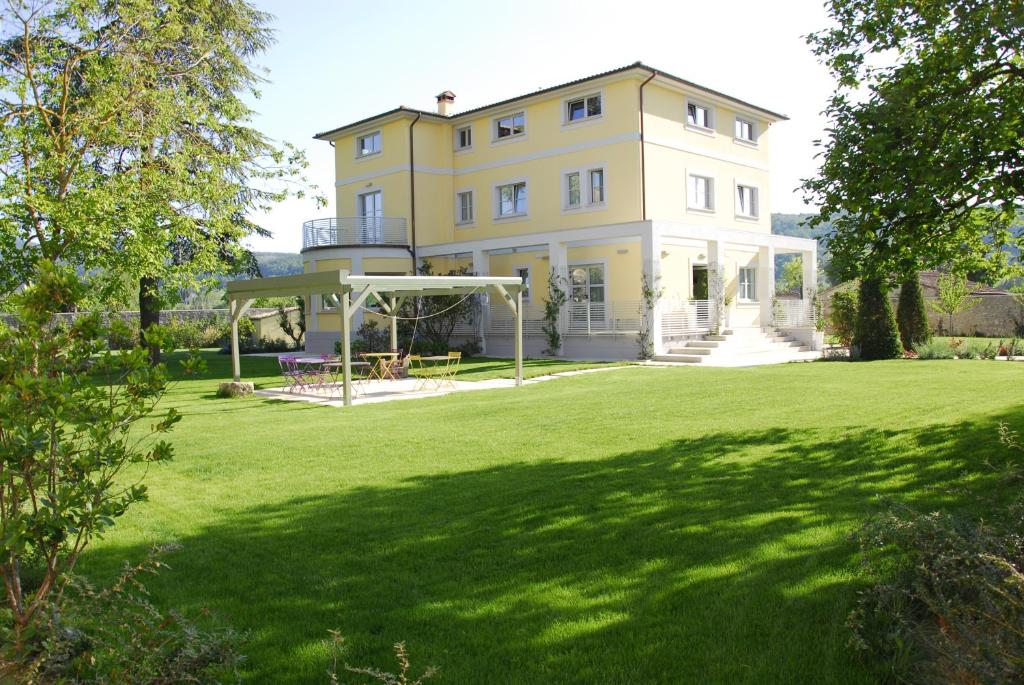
<point>373,392</point>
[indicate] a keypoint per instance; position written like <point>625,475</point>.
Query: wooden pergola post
<point>346,347</point>
<point>519,337</point>
<point>394,324</point>
<point>236,308</point>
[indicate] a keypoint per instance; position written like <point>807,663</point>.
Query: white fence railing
<point>501,321</point>
<point>602,318</point>
<point>578,319</point>
<point>793,313</point>
<point>685,318</point>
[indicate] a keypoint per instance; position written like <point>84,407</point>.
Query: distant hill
<point>279,263</point>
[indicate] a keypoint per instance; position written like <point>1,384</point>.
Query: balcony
<point>355,231</point>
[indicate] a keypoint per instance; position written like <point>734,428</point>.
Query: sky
<point>338,61</point>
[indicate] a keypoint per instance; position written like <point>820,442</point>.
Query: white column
<point>482,267</point>
<point>766,283</point>
<point>810,263</point>
<point>650,253</point>
<point>558,261</point>
<point>717,282</point>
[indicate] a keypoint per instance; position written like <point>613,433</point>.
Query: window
<point>464,207</point>
<point>702,192</point>
<point>596,186</point>
<point>573,196</point>
<point>511,125</point>
<point>745,130</point>
<point>512,199</point>
<point>327,303</point>
<point>587,296</point>
<point>748,288</point>
<point>464,138</point>
<point>698,115</point>
<point>368,144</point>
<point>746,201</point>
<point>587,282</point>
<point>583,108</point>
<point>572,181</point>
<point>523,272</point>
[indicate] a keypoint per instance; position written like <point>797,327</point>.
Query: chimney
<point>445,102</point>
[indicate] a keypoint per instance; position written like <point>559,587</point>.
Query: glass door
<point>587,299</point>
<point>371,213</point>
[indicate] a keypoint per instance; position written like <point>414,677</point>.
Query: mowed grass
<point>487,368</point>
<point>643,525</point>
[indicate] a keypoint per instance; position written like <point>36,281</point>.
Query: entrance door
<point>699,293</point>
<point>699,285</point>
<point>371,211</point>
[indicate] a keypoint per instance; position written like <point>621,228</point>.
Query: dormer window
<point>583,108</point>
<point>368,144</point>
<point>510,126</point>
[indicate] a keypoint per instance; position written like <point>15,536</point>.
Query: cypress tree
<point>910,314</point>
<point>877,336</point>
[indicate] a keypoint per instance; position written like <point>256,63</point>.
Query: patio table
<point>381,365</point>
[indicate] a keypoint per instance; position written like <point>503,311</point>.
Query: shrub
<point>842,317</point>
<point>876,335</point>
<point>967,352</point>
<point>935,349</point>
<point>911,317</point>
<point>116,635</point>
<point>68,411</point>
<point>950,606</point>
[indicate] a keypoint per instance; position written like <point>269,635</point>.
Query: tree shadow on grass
<point>721,558</point>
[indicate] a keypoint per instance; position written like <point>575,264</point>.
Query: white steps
<point>739,347</point>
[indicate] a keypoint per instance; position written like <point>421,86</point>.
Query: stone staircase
<point>739,347</point>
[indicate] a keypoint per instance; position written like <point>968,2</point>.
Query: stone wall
<point>995,316</point>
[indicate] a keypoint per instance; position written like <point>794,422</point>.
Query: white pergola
<point>350,291</point>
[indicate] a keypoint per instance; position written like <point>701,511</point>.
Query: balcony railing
<point>793,313</point>
<point>355,230</point>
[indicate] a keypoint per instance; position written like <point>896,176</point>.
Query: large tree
<point>127,148</point>
<point>923,164</point>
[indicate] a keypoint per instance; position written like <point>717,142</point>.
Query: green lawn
<point>644,525</point>
<point>486,368</point>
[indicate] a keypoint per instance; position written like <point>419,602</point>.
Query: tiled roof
<point>543,91</point>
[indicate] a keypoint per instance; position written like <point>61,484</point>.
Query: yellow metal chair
<point>447,376</point>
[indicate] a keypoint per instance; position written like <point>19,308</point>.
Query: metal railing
<point>578,319</point>
<point>599,318</point>
<point>501,321</point>
<point>793,313</point>
<point>354,230</point>
<point>686,318</point>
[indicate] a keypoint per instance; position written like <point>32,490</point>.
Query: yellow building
<point>599,181</point>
